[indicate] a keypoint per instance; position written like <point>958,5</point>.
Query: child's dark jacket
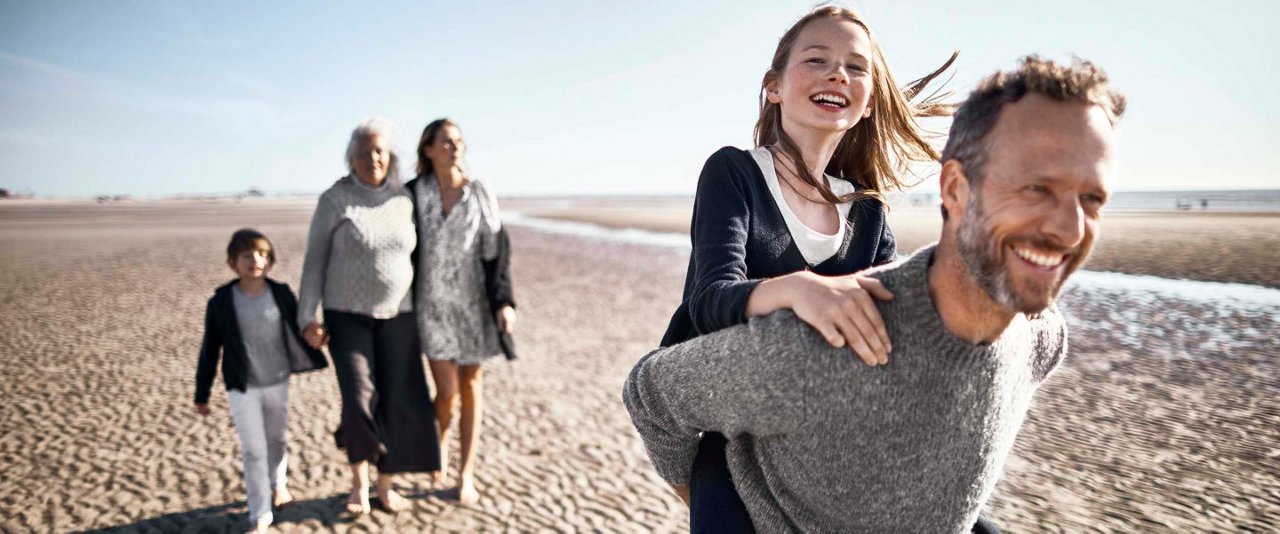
<point>222,336</point>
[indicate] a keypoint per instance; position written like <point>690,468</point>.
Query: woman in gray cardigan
<point>358,268</point>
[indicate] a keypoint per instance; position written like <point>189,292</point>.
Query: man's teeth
<point>1039,258</point>
<point>831,99</point>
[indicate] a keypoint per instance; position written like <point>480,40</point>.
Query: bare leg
<point>391,501</point>
<point>445,375</point>
<point>358,503</point>
<point>471,387</point>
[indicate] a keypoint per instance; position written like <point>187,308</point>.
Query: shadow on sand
<point>233,517</point>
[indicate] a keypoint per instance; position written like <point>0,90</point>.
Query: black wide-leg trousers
<point>387,415</point>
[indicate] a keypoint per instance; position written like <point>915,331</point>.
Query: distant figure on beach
<point>786,225</point>
<point>466,309</point>
<point>359,269</point>
<point>820,443</point>
<point>248,322</point>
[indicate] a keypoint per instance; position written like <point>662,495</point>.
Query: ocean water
<point>1239,200</point>
<point>1145,314</point>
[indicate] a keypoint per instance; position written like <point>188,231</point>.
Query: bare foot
<point>391,501</point>
<point>467,493</point>
<point>443,473</point>
<point>262,526</point>
<point>281,498</point>
<point>358,502</point>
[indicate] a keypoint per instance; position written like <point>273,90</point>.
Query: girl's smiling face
<point>826,84</point>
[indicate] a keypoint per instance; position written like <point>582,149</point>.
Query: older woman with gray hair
<point>358,269</point>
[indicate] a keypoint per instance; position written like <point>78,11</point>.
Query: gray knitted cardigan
<point>358,251</point>
<point>820,442</point>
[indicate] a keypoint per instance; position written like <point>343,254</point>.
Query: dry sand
<point>103,308</point>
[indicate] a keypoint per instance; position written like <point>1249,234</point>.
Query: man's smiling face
<point>1033,216</point>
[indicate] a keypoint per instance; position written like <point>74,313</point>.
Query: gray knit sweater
<point>820,442</point>
<point>358,251</point>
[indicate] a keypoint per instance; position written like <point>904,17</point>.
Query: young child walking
<point>249,323</point>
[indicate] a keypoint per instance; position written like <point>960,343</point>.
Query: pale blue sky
<point>154,98</point>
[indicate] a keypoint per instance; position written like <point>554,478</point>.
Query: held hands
<point>507,319</point>
<point>315,335</point>
<point>840,308</point>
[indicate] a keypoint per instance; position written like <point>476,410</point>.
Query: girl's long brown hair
<point>876,150</point>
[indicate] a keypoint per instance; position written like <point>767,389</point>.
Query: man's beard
<point>984,258</point>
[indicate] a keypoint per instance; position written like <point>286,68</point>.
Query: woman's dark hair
<point>429,136</point>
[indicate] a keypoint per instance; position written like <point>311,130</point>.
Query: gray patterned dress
<point>453,310</point>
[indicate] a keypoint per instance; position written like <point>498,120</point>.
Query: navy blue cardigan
<point>740,238</point>
<point>222,336</point>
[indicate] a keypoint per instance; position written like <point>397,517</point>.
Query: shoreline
<point>1229,247</point>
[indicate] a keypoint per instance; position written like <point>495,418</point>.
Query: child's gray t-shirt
<point>261,329</point>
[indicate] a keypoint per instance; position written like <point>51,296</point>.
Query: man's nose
<point>1065,223</point>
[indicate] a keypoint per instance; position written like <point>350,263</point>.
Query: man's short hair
<point>1081,82</point>
<point>249,239</point>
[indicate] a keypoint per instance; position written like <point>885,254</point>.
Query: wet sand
<point>102,323</point>
<point>1192,245</point>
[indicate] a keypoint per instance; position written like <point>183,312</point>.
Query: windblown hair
<point>876,151</point>
<point>1080,82</point>
<point>382,128</point>
<point>249,239</point>
<point>429,136</point>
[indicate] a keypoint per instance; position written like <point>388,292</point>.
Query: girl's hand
<point>507,319</point>
<point>315,335</point>
<point>202,409</point>
<point>842,310</point>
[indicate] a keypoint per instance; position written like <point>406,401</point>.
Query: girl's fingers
<point>876,322</point>
<point>857,342</point>
<point>865,328</point>
<point>829,333</point>
<point>876,288</point>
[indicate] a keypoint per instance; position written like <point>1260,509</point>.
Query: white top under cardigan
<point>815,246</point>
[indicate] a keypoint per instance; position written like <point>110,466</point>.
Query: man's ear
<point>954,189</point>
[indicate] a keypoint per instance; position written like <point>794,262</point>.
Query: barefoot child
<point>248,321</point>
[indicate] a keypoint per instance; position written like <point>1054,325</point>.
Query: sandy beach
<point>1218,246</point>
<point>1165,416</point>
